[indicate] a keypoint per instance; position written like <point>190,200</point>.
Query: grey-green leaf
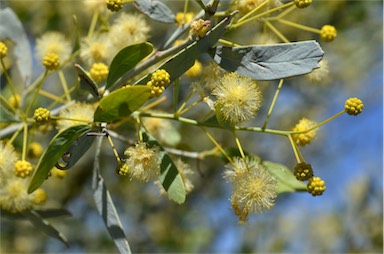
<point>126,59</point>
<point>44,226</point>
<point>106,208</point>
<point>12,29</point>
<point>156,10</point>
<point>269,62</point>
<point>169,177</point>
<point>286,181</point>
<point>86,82</point>
<point>56,148</point>
<point>6,116</point>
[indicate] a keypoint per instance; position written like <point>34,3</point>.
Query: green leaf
<point>126,59</point>
<point>44,226</point>
<point>76,151</point>
<point>156,10</point>
<point>286,181</point>
<point>56,148</point>
<point>271,61</point>
<point>169,175</point>
<point>86,82</point>
<point>105,206</point>
<point>185,59</point>
<point>122,102</point>
<point>11,28</point>
<point>6,116</point>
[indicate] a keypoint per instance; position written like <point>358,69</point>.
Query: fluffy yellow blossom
<point>306,137</point>
<point>320,74</point>
<point>184,18</point>
<point>14,197</point>
<point>35,150</point>
<point>95,49</point>
<point>195,70</point>
<point>99,72</point>
<point>79,113</point>
<point>211,75</point>
<point>128,29</point>
<point>8,158</point>
<point>254,188</point>
<point>143,162</point>
<point>238,98</point>
<point>53,42</point>
<point>94,5</point>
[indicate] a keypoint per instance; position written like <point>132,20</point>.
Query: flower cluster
<point>160,79</point>
<point>42,115</point>
<point>307,136</point>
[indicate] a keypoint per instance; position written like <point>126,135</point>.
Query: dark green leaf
<point>185,59</point>
<point>285,178</point>
<point>156,10</point>
<point>86,82</point>
<point>53,213</point>
<point>106,208</point>
<point>126,59</point>
<point>76,151</point>
<point>11,28</point>
<point>6,116</point>
<point>271,61</point>
<point>169,175</point>
<point>44,226</point>
<point>56,148</point>
<point>121,102</point>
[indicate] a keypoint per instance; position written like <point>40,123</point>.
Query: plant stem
<point>229,43</point>
<point>216,144</point>
<point>25,139</point>
<point>10,141</point>
<point>294,148</point>
<point>299,26</point>
<point>51,96</point>
<point>10,84</point>
<point>114,149</point>
<point>93,24</point>
<point>273,103</point>
<point>238,144</point>
<point>39,84</point>
<point>273,29</point>
<point>253,11</point>
<point>64,84</point>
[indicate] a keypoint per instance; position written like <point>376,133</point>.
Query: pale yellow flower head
<point>94,5</point>
<point>238,98</point>
<point>162,130</point>
<point>53,42</point>
<point>321,74</point>
<point>184,18</point>
<point>254,188</point>
<point>245,6</point>
<point>82,112</point>
<point>8,158</point>
<point>14,197</point>
<point>128,29</point>
<point>143,162</point>
<point>95,49</point>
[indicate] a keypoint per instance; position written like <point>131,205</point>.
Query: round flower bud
<point>58,173</point>
<point>51,61</point>
<point>22,168</point>
<point>302,3</point>
<point>184,18</point>
<point>303,171</point>
<point>115,5</point>
<point>39,197</point>
<point>304,138</point>
<point>99,72</point>
<point>328,33</point>
<point>42,115</point>
<point>123,169</point>
<point>3,50</point>
<point>160,79</point>
<point>195,70</point>
<point>14,101</point>
<point>199,28</point>
<point>353,106</point>
<point>316,186</point>
<point>35,150</point>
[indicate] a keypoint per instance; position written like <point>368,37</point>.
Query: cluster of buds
<point>160,79</point>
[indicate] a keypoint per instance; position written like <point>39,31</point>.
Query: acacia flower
<point>195,70</point>
<point>95,49</point>
<point>184,18</point>
<point>51,61</point>
<point>254,188</point>
<point>41,115</point>
<point>99,72</point>
<point>35,150</point>
<point>305,138</point>
<point>162,130</point>
<point>328,33</point>
<point>22,168</point>
<point>53,42</point>
<point>245,6</point>
<point>143,162</point>
<point>8,158</point>
<point>83,112</point>
<point>39,196</point>
<point>115,5</point>
<point>14,101</point>
<point>160,79</point>
<point>199,28</point>
<point>3,50</point>
<point>14,197</point>
<point>316,186</point>
<point>238,98</point>
<point>320,74</point>
<point>353,106</point>
<point>302,3</point>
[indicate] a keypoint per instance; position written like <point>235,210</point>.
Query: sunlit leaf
<point>156,10</point>
<point>56,148</point>
<point>121,102</point>
<point>269,62</point>
<point>126,59</point>
<point>12,29</point>
<point>106,208</point>
<point>43,225</point>
<point>169,175</point>
<point>86,82</point>
<point>286,181</point>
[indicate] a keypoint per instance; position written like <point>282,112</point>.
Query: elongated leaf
<point>126,59</point>
<point>285,178</point>
<point>44,226</point>
<point>86,82</point>
<point>56,148</point>
<point>121,102</point>
<point>53,212</point>
<point>6,116</point>
<point>169,175</point>
<point>271,61</point>
<point>156,10</point>
<point>106,208</point>
<point>76,151</point>
<point>185,59</point>
<point>12,29</point>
